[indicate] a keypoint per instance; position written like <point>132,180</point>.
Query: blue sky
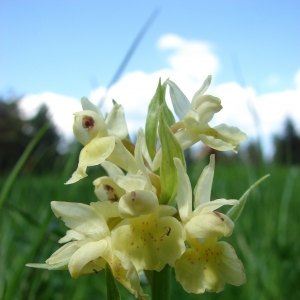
<point>71,48</point>
<point>68,46</point>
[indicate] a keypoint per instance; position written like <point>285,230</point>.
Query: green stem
<point>162,284</point>
<point>111,286</point>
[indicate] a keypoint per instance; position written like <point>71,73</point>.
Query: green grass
<point>266,237</point>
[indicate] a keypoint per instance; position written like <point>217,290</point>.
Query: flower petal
<point>210,224</point>
<point>186,139</point>
<point>66,251</point>
<point>81,218</point>
<point>207,106</point>
<point>145,151</point>
<point>191,119</point>
<point>94,153</point>
<point>115,121</point>
<point>231,269</point>
<point>107,189</point>
<point>157,160</point>
<point>125,272</point>
<point>111,169</point>
<point>201,91</point>
<point>207,266</point>
<point>123,158</point>
<point>140,160</point>
<point>215,143</point>
<point>202,190</point>
<point>71,235</point>
<point>88,105</point>
<point>150,241</point>
<point>231,135</point>
<point>184,192</point>
<point>167,211</point>
<point>86,254</point>
<point>138,203</point>
<point>213,205</point>
<point>131,182</point>
<point>107,209</point>
<point>87,125</point>
<point>180,102</point>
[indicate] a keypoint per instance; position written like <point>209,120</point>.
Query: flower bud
<point>107,189</point>
<point>87,125</point>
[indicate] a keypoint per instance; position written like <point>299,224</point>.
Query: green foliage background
<point>266,237</point>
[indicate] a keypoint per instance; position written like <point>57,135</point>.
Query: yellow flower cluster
<point>145,217</point>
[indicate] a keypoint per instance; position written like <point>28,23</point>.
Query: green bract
<point>170,149</point>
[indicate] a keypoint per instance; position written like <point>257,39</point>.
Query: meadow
<point>266,236</point>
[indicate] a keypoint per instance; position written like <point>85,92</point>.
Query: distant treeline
<point>16,133</point>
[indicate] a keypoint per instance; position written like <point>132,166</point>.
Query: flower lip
<point>88,122</point>
<point>110,192</point>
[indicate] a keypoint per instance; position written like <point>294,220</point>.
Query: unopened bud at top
<point>88,123</point>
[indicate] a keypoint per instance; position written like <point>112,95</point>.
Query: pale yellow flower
<point>207,264</point>
<point>196,116</point>
<point>140,197</point>
<point>151,240</point>
<point>87,225</point>
<point>194,122</point>
<point>116,184</point>
<point>88,243</point>
<point>90,122</point>
<point>105,187</point>
<point>149,233</point>
<point>100,137</point>
<point>203,221</point>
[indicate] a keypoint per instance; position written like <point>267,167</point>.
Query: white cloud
<point>190,63</point>
<point>61,109</point>
<point>258,115</point>
<point>297,79</point>
<point>190,60</point>
<point>134,91</point>
<point>275,108</point>
<point>236,102</point>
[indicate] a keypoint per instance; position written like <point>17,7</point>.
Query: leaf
<point>236,210</point>
<point>59,266</point>
<point>111,286</point>
<point>152,119</point>
<point>153,116</point>
<point>168,115</point>
<point>27,216</point>
<point>170,149</point>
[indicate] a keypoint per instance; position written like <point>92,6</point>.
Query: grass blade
<point>130,52</point>
<point>236,210</point>
<point>13,174</point>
